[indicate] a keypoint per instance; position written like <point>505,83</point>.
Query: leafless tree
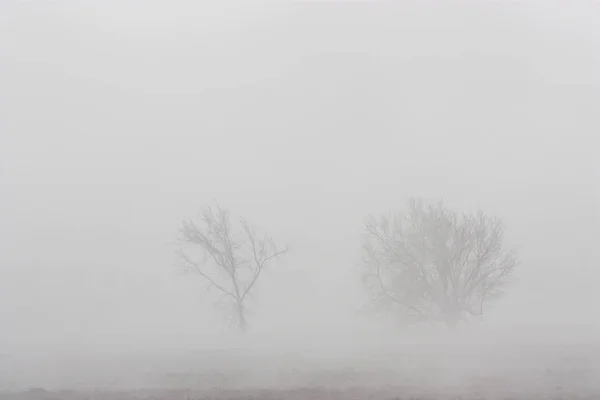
<point>433,264</point>
<point>232,259</point>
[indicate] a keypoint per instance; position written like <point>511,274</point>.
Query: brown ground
<point>296,394</point>
<point>516,373</point>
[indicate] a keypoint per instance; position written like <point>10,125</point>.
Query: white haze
<point>120,118</point>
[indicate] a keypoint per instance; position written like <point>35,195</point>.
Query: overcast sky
<point>120,118</point>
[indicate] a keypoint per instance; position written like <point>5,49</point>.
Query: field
<point>459,371</point>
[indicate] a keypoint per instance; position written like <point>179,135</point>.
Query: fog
<point>119,119</point>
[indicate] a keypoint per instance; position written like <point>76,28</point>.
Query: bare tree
<point>232,259</point>
<point>433,264</point>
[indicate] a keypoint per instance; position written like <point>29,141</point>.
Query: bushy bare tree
<point>232,259</point>
<point>433,264</point>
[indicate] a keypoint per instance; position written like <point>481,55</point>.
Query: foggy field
<point>308,199</point>
<point>426,370</point>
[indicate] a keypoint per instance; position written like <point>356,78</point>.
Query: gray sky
<point>120,118</point>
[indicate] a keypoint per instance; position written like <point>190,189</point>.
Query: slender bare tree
<point>433,264</point>
<point>232,259</point>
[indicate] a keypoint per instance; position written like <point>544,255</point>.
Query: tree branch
<point>197,269</point>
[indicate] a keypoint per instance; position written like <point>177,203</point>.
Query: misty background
<point>118,119</point>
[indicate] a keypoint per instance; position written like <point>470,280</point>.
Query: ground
<point>391,393</point>
<point>429,372</point>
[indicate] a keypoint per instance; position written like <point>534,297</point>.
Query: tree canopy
<point>430,263</point>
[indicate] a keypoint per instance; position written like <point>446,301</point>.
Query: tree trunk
<point>451,325</point>
<point>241,317</point>
<point>451,322</point>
